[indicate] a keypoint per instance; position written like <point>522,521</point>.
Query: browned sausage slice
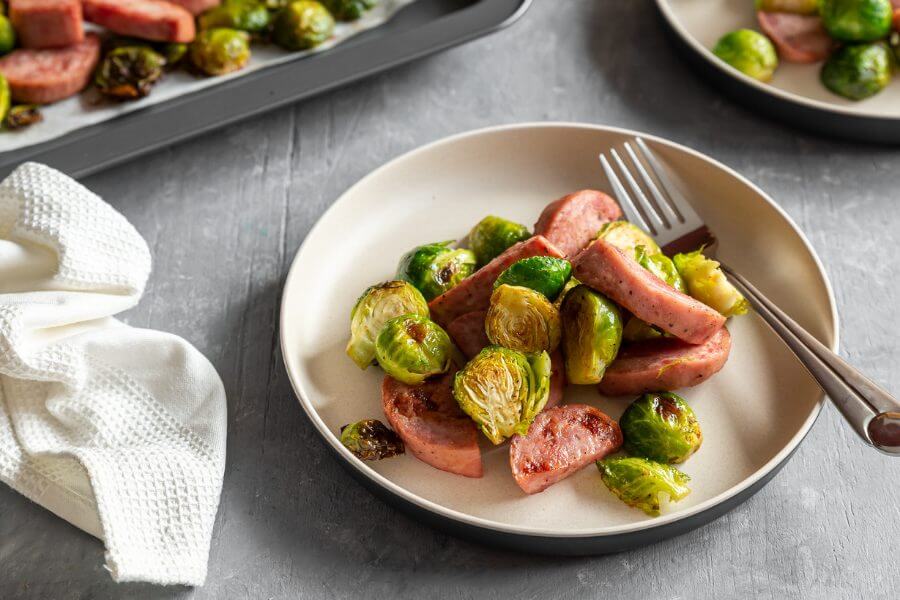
<point>195,7</point>
<point>48,75</point>
<point>799,38</point>
<point>611,272</point>
<point>561,441</point>
<point>664,365</point>
<point>474,292</point>
<point>155,20</point>
<point>571,222</point>
<point>431,424</point>
<point>468,332</point>
<point>47,23</point>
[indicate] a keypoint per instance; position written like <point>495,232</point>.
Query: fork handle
<point>872,412</point>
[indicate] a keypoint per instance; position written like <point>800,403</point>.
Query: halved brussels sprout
<point>23,115</point>
<point>245,15</point>
<point>642,483</point>
<point>502,390</point>
<point>129,72</point>
<point>370,439</point>
<point>571,284</point>
<point>348,10</point>
<point>220,51</point>
<point>748,51</point>
<point>301,25</point>
<point>856,20</point>
<point>522,319</point>
<point>544,274</point>
<point>662,427</point>
<point>591,334</point>
<point>174,53</point>
<point>637,330</point>
<point>627,236</point>
<point>661,266</point>
<point>378,305</point>
<point>435,268</point>
<point>800,7</point>
<point>411,348</point>
<point>492,235</point>
<point>706,282</point>
<point>857,71</point>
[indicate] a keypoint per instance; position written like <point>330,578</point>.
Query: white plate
<point>753,414</point>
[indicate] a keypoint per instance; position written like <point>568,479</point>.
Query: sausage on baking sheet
<point>47,23</point>
<point>571,222</point>
<point>51,74</point>
<point>155,20</point>
<point>195,7</point>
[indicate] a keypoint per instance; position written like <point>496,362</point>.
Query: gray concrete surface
<point>224,215</point>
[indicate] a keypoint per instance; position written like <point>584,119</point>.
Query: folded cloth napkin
<point>118,430</point>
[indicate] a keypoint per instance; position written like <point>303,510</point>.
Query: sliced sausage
<point>557,380</point>
<point>571,222</point>
<point>48,75</point>
<point>561,441</point>
<point>615,274</point>
<point>431,424</point>
<point>47,23</point>
<point>799,38</point>
<point>896,19</point>
<point>155,20</point>
<point>468,332</point>
<point>474,292</point>
<point>195,7</point>
<point>664,365</point>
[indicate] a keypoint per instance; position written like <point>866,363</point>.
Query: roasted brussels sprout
<point>662,427</point>
<point>856,20</point>
<point>7,36</point>
<point>244,15</point>
<point>642,483</point>
<point>492,235</point>
<point>627,236</point>
<point>800,7</point>
<point>5,98</point>
<point>502,390</point>
<point>661,266</point>
<point>591,334</point>
<point>173,52</point>
<point>571,284</point>
<point>857,71</point>
<point>411,348</point>
<point>748,51</point>
<point>371,440</point>
<point>220,51</point>
<point>636,330</point>
<point>435,268</point>
<point>522,319</point>
<point>23,115</point>
<point>378,305</point>
<point>706,282</point>
<point>129,72</point>
<point>301,25</point>
<point>348,10</point>
<point>544,274</point>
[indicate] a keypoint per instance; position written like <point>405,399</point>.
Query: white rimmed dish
<point>795,94</point>
<point>754,413</point>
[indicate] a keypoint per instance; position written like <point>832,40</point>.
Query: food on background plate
<point>858,71</point>
<point>798,38</point>
<point>749,52</point>
<point>370,439</point>
<point>527,324</point>
<point>47,23</point>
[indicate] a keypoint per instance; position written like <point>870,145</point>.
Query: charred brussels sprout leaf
<point>492,235</point>
<point>661,266</point>
<point>544,274</point>
<point>348,10</point>
<point>23,115</point>
<point>642,483</point>
<point>857,71</point>
<point>591,334</point>
<point>503,390</point>
<point>244,15</point>
<point>129,72</point>
<point>638,331</point>
<point>301,25</point>
<point>627,236</point>
<point>661,427</point>
<point>856,20</point>
<point>173,52</point>
<point>522,319</point>
<point>371,440</point>
<point>435,268</point>
<point>219,51</point>
<point>378,305</point>
<point>411,348</point>
<point>748,51</point>
<point>7,36</point>
<point>706,282</point>
<point>800,7</point>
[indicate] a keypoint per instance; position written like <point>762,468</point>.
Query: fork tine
<point>621,194</point>
<point>675,197</point>
<point>669,216</point>
<point>648,209</point>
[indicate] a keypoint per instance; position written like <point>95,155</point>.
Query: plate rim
<point>665,9</point>
<point>466,519</point>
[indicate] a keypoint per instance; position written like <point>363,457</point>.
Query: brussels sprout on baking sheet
<point>301,25</point>
<point>219,51</point>
<point>492,235</point>
<point>591,334</point>
<point>522,319</point>
<point>7,36</point>
<point>348,10</point>
<point>748,51</point>
<point>411,348</point>
<point>502,390</point>
<point>375,307</point>
<point>370,439</point>
<point>706,282</point>
<point>129,72</point>
<point>435,268</point>
<point>642,483</point>
<point>662,427</point>
<point>23,115</point>
<point>545,274</point>
<point>244,15</point>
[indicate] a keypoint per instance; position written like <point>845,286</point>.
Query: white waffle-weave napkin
<point>118,430</point>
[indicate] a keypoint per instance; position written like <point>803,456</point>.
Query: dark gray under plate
<point>422,28</point>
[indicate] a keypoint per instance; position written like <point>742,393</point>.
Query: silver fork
<point>669,217</point>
